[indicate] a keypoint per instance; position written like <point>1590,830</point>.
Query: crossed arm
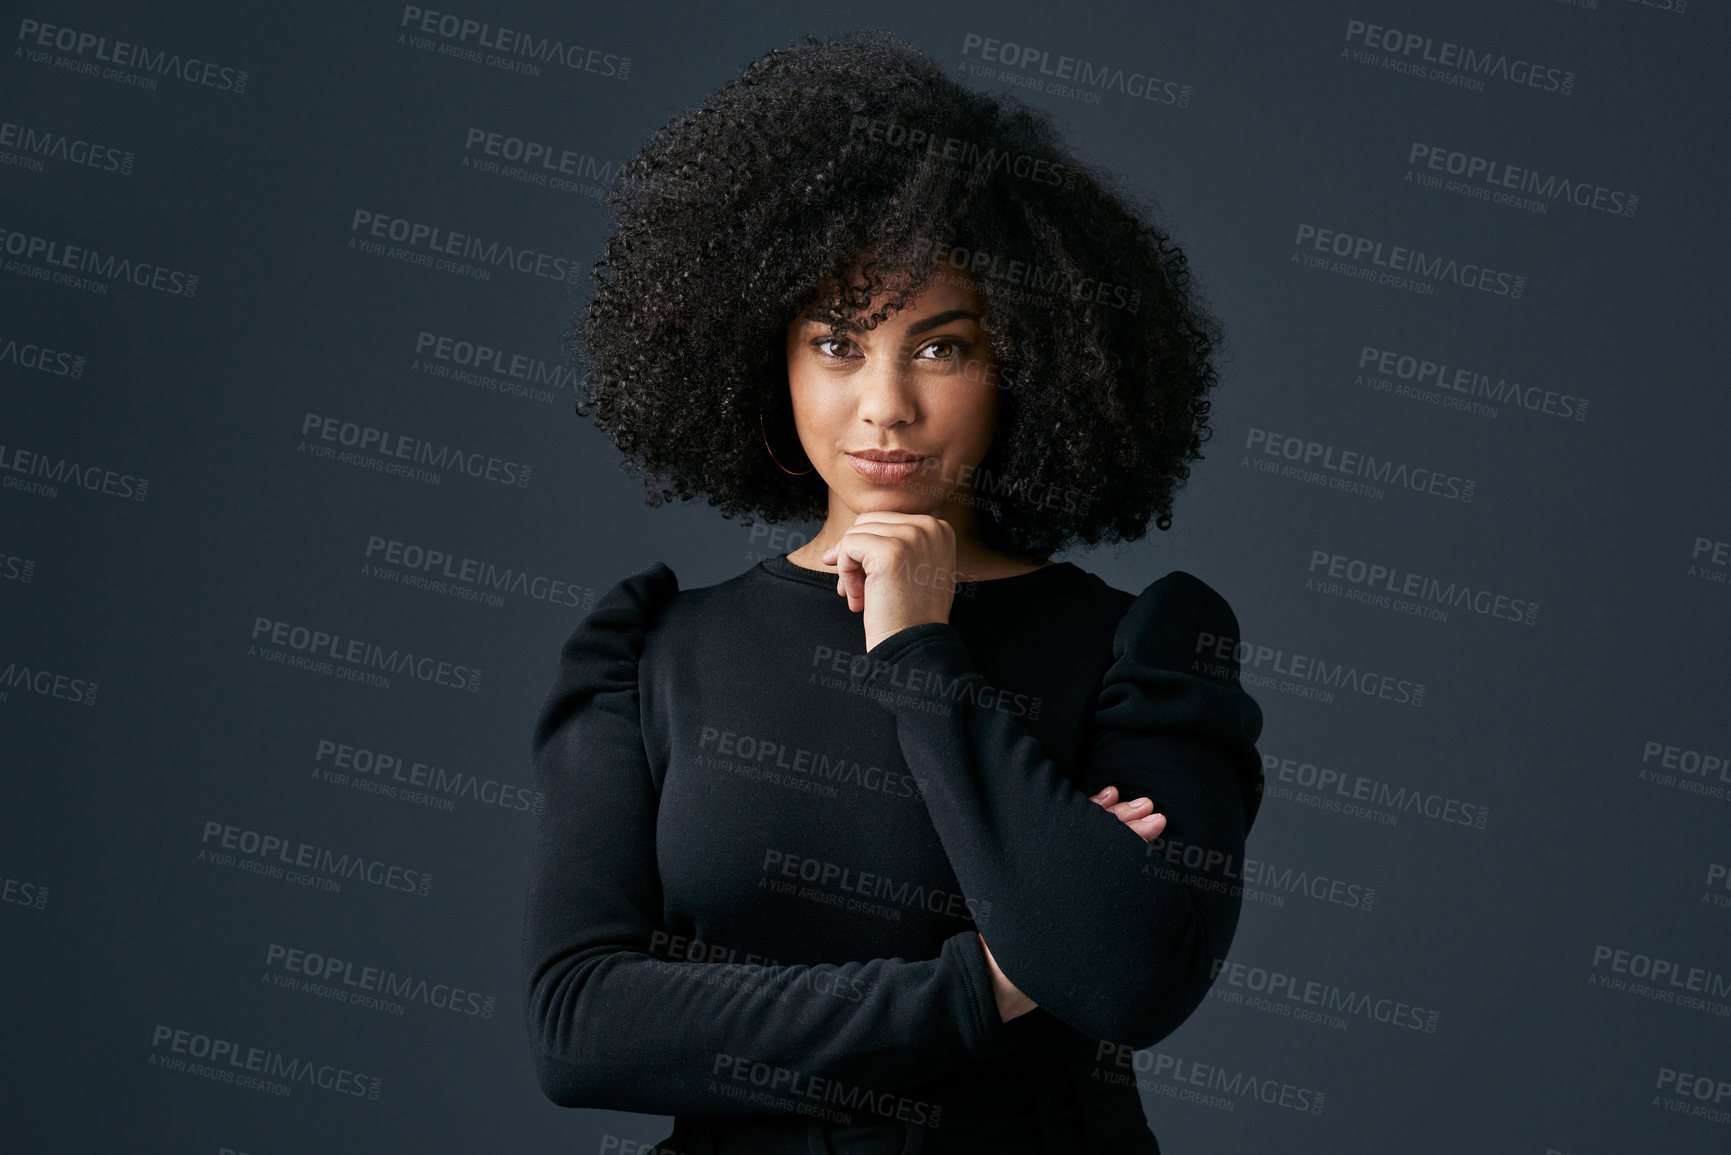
<point>1087,934</point>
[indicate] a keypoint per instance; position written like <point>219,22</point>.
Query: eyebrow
<point>914,329</point>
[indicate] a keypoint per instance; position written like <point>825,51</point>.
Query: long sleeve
<point>612,1026</point>
<point>1112,935</point>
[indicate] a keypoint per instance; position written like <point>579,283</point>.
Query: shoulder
<point>1178,602</point>
<point>623,614</point>
<point>647,606</point>
<point>636,599</point>
<point>603,649</point>
<point>1177,621</point>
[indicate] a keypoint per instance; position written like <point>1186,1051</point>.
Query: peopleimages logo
<point>1191,1081</point>
<point>1069,76</point>
<point>959,153</point>
<point>89,51</point>
<point>17,569</point>
<point>304,646</point>
<point>1700,1096</point>
<point>1718,885</point>
<point>269,854</point>
<point>46,683</point>
<point>1703,772</point>
<point>37,358</point>
<point>445,249</point>
<point>1398,266</point>
<point>1710,560</point>
<point>1499,181</point>
<point>1301,675</point>
<point>33,895</point>
<point>1254,879</point>
<point>1390,587</point>
<point>825,875</point>
<point>27,147</point>
<point>259,1068</point>
<point>1674,7</point>
<point>1282,993</point>
<point>508,48</point>
<point>775,1084</point>
<point>1457,387</point>
<point>1661,980</point>
<point>1428,58</point>
<point>1003,271</point>
<point>788,763</point>
<point>344,980</point>
<point>397,775</point>
<point>493,369</point>
<point>43,474</point>
<point>549,162</point>
<point>1360,797</point>
<point>91,270</point>
<point>370,447</point>
<point>454,575</point>
<point>1351,470</point>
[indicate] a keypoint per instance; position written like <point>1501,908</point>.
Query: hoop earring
<point>772,456</point>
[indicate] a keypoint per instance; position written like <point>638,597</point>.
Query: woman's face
<point>920,386</point>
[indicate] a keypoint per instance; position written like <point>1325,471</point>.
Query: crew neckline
<point>778,565</point>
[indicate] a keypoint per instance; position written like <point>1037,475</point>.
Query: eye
<point>955,345</point>
<point>822,343</point>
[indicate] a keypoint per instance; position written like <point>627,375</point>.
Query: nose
<point>886,393</point>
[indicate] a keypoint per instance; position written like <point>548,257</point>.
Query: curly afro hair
<point>845,172</point>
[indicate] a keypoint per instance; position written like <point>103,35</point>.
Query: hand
<point>1136,814</point>
<point>1011,1002</point>
<point>899,569</point>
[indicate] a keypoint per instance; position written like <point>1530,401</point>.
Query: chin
<point>889,501</point>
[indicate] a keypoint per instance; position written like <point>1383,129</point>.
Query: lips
<point>886,455</point>
<point>886,466</point>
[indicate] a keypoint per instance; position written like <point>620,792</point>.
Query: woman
<point>904,840</point>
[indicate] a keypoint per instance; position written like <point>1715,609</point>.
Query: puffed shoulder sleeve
<point>614,1025</point>
<point>1174,681</point>
<point>1113,935</point>
<point>598,664</point>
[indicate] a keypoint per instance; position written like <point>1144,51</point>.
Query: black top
<point>764,854</point>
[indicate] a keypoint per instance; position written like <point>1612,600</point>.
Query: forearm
<point>621,1030</point>
<point>1067,897</point>
<point>613,1026</point>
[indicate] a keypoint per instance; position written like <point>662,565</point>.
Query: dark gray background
<point>112,926</point>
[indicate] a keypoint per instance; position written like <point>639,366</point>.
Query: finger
<point>916,522</point>
<point>886,518</point>
<point>1150,827</point>
<point>853,547</point>
<point>860,543</point>
<point>1135,808</point>
<point>850,570</point>
<point>915,530</point>
<point>1106,796</point>
<point>851,577</point>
